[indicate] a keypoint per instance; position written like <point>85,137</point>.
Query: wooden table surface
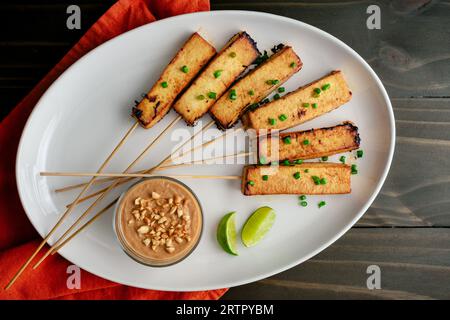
<point>406,230</point>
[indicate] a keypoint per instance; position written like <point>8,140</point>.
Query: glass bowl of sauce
<point>158,221</point>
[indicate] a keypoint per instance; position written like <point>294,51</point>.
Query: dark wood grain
<point>414,263</point>
<point>407,229</point>
<point>416,192</point>
<point>34,37</point>
<point>410,53</point>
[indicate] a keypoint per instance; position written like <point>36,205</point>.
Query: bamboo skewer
<point>70,209</point>
<point>113,185</point>
<point>56,248</point>
<point>165,161</point>
<point>88,223</point>
<point>99,181</point>
<point>173,166</point>
<point>89,209</point>
<point>97,215</point>
<point>79,185</point>
<point>131,175</point>
<point>139,174</point>
<point>205,144</point>
<point>123,181</point>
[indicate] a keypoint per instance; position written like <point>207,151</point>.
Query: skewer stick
<point>99,181</point>
<point>72,206</point>
<point>79,185</point>
<point>236,155</point>
<point>88,210</point>
<point>166,161</point>
<point>113,185</point>
<point>92,220</point>
<point>129,175</point>
<point>105,209</point>
<point>138,174</point>
<point>172,160</point>
<point>96,216</point>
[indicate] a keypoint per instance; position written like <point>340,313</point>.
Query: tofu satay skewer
<point>305,103</point>
<point>232,60</point>
<point>177,75</point>
<point>291,146</point>
<point>308,144</point>
<point>239,52</point>
<point>337,181</point>
<point>162,168</point>
<point>308,178</point>
<point>255,86</point>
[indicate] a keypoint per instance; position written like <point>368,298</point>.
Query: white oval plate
<point>85,112</point>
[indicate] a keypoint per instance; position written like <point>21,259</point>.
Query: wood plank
<point>410,53</point>
<point>417,188</point>
<point>422,125</point>
<point>414,263</point>
<point>408,68</point>
<point>35,39</point>
<point>46,22</point>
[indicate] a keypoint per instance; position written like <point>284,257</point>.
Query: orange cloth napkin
<point>18,238</point>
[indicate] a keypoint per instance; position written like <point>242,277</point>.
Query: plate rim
<point>284,19</point>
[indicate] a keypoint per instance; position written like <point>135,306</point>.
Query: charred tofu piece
<point>219,74</point>
<point>256,85</point>
<point>179,73</point>
<point>308,144</point>
<point>306,178</point>
<point>301,105</point>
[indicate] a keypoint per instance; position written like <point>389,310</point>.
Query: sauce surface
<point>159,221</point>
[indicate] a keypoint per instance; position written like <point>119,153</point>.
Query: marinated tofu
<point>308,144</point>
<point>307,178</point>
<point>219,74</point>
<point>301,105</point>
<point>178,74</point>
<point>256,85</point>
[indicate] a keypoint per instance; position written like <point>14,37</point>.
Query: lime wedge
<point>257,226</point>
<point>226,233</point>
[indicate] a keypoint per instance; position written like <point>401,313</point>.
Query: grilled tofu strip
<point>321,142</point>
<point>256,85</point>
<point>302,104</point>
<point>221,72</point>
<point>282,179</point>
<point>186,64</point>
